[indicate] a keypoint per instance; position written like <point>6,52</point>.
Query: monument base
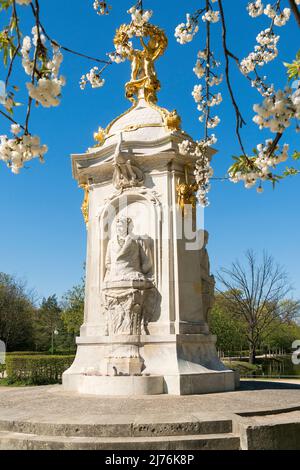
<point>188,384</point>
<point>174,364</point>
<point>129,385</point>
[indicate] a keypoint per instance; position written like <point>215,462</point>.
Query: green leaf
<point>293,69</point>
<point>296,155</point>
<point>290,171</point>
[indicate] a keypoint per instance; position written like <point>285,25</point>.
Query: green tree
<point>16,314</point>
<point>47,322</point>
<point>281,336</point>
<point>257,293</point>
<point>230,331</point>
<point>73,308</point>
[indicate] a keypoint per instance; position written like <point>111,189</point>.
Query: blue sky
<point>43,237</point>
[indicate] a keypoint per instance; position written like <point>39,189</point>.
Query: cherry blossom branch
<point>16,19</point>
<point>207,72</point>
<point>65,48</point>
<point>239,118</point>
<point>273,145</point>
<point>139,5</point>
<point>71,51</point>
<point>7,116</point>
<point>37,23</point>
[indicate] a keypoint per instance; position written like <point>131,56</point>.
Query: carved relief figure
<point>125,174</point>
<point>208,280</point>
<point>126,257</point>
<point>128,275</point>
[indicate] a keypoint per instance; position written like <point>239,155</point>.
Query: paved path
<point>261,415</point>
<point>53,404</point>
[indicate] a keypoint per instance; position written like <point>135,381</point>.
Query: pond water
<point>276,367</point>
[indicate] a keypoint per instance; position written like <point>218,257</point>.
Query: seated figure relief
<point>128,277</point>
<point>127,258</point>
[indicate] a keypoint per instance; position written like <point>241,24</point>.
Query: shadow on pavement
<point>265,384</point>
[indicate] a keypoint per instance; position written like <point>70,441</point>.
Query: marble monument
<point>149,289</point>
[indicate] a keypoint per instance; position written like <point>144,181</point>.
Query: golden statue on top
<point>143,82</point>
<point>143,74</point>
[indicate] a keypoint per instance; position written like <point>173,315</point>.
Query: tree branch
<point>16,18</point>
<point>295,11</point>
<point>207,72</point>
<point>239,118</point>
<point>7,116</point>
<point>273,145</point>
<point>67,49</point>
<point>36,52</point>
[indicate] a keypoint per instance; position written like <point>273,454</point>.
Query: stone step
<point>22,441</point>
<point>280,431</point>
<point>135,428</point>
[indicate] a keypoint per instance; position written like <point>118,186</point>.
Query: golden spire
<point>143,75</point>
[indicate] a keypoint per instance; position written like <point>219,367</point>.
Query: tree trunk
<point>252,354</point>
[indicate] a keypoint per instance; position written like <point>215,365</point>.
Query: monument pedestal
<point>182,364</point>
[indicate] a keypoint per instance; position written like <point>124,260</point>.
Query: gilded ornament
<point>99,136</point>
<point>173,121</point>
<point>143,73</point>
<point>85,203</point>
<point>186,192</point>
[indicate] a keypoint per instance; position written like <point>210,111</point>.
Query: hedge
<point>39,353</point>
<point>27,353</point>
<point>37,370</point>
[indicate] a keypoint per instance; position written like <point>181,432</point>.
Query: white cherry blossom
<point>211,16</point>
<point>93,77</point>
<point>261,167</point>
<point>101,7</point>
<point>203,170</point>
<point>197,93</point>
<point>185,32</point>
<point>139,17</point>
<point>47,91</point>
<point>255,8</point>
<point>17,151</point>
<point>277,111</point>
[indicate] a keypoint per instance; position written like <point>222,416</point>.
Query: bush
<point>36,370</point>
<point>245,369</point>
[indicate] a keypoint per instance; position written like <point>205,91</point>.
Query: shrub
<point>36,370</point>
<point>245,369</point>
